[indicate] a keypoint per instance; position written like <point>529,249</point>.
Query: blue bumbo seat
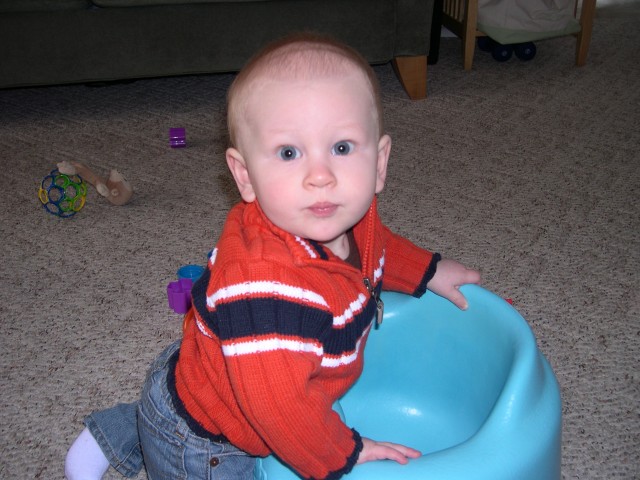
<point>470,390</point>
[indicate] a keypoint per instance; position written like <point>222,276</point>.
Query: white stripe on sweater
<point>297,346</point>
<point>270,345</point>
<point>347,358</point>
<point>377,273</point>
<point>354,307</point>
<point>267,288</point>
<point>307,247</point>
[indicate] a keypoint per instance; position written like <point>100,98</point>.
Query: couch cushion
<point>146,3</point>
<point>42,5</point>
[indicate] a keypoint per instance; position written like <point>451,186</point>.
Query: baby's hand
<point>450,275</point>
<point>372,450</point>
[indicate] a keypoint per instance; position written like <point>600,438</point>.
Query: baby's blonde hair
<point>298,56</point>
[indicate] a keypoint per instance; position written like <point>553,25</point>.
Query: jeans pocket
<point>162,451</point>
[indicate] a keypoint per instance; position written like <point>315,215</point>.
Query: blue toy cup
<point>192,272</point>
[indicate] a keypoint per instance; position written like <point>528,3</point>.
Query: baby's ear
<point>238,167</point>
<point>384,150</point>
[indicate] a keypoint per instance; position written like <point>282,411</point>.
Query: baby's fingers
<point>373,450</point>
<point>458,299</point>
<point>406,452</point>
<point>471,276</point>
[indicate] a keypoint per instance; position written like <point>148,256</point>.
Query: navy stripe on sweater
<point>275,316</point>
<point>259,317</point>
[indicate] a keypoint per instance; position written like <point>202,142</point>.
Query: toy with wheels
<point>525,51</point>
<point>501,53</point>
<point>470,390</point>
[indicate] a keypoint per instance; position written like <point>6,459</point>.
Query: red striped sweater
<point>277,334</point>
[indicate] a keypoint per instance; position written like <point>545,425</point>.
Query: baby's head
<point>307,143</point>
<point>298,57</point>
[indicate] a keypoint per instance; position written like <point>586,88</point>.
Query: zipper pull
<point>378,300</point>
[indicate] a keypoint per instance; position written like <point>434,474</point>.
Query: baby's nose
<point>320,174</point>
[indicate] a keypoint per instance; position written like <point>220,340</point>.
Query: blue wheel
<point>525,51</point>
<point>502,53</point>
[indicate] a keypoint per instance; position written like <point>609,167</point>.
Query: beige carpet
<point>528,171</point>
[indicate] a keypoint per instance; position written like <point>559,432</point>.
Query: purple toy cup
<point>179,294</point>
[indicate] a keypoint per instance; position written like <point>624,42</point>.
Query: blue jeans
<point>150,433</point>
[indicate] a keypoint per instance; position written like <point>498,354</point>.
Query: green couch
<point>50,42</point>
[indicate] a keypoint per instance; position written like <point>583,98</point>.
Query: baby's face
<point>313,154</point>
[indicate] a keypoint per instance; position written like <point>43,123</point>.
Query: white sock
<point>85,460</point>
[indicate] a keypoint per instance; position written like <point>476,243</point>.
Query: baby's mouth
<point>323,209</point>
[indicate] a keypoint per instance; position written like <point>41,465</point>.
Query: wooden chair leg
<point>586,28</point>
<point>412,73</point>
<point>469,33</point>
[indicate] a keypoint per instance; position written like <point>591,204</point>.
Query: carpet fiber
<point>527,171</point>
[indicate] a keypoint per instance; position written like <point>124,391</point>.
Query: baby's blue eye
<point>289,153</point>
<point>342,148</point>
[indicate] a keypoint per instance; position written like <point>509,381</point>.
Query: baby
<point>281,316</point>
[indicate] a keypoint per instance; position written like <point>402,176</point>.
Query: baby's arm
<point>372,450</point>
<point>449,276</point>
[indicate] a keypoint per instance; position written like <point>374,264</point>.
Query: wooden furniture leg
<point>469,32</point>
<point>586,27</point>
<point>461,18</point>
<point>412,73</point>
